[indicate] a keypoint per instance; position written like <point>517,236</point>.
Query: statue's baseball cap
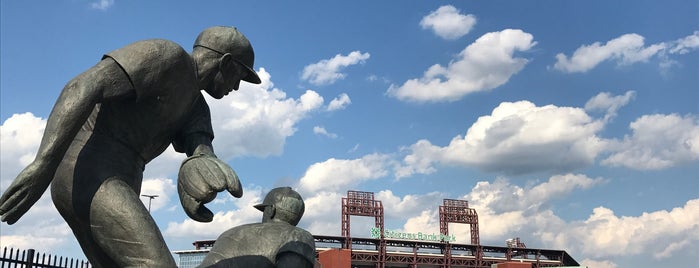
<point>226,39</point>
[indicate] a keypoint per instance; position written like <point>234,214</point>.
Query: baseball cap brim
<point>260,207</point>
<point>252,76</point>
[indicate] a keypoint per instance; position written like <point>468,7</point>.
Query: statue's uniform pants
<point>96,190</point>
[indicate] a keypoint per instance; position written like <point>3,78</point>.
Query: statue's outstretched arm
<point>103,82</point>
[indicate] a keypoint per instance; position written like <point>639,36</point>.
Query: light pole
<point>151,197</point>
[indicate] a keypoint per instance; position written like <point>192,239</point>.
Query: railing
<point>15,258</point>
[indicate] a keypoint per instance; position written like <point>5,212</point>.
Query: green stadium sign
<point>376,233</point>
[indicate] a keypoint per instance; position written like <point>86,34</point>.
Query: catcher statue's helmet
<point>287,202</point>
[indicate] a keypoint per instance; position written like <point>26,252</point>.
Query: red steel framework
<point>373,251</point>
<point>359,203</point>
<point>457,211</point>
<point>514,246</point>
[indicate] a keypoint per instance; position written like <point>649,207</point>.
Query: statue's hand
<point>24,191</point>
<point>200,178</point>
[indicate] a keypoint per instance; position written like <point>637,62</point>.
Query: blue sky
<point>573,125</point>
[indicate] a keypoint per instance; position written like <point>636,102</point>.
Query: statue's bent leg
<point>81,229</point>
<point>124,229</point>
<point>74,206</point>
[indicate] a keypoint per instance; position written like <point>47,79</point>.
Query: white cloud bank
<point>604,234</point>
<point>257,119</point>
<point>487,63</point>
<point>448,23</point>
<point>336,174</point>
<point>327,71</point>
<point>625,50</point>
<point>518,137</point>
<point>657,141</point>
<point>20,136</point>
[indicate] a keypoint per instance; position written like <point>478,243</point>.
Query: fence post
<point>30,258</point>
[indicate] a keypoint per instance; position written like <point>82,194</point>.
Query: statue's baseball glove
<point>200,178</point>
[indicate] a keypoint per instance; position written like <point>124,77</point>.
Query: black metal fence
<point>15,258</point>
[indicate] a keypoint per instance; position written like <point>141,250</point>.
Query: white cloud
<point>658,141</point>
<point>321,215</point>
<point>337,174</point>
<point>516,138</point>
<point>20,136</point>
<point>603,234</point>
<point>354,148</point>
<point>29,241</point>
<point>609,104</point>
<point>427,221</point>
<point>340,102</point>
<point>558,186</point>
<point>327,71</point>
<point>626,49</point>
<point>686,44</point>
<point>407,206</point>
<point>102,4</point>
<point>165,189</point>
<point>41,223</point>
<point>487,63</point>
<point>678,47</point>
<point>671,249</point>
<point>420,160</point>
<point>448,23</point>
<point>257,119</point>
<point>166,165</point>
<point>500,196</point>
<point>322,131</point>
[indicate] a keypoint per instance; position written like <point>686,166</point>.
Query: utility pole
<point>151,197</point>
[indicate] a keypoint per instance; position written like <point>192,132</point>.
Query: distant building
<point>192,258</point>
<point>391,248</point>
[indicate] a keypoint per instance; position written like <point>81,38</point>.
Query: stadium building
<point>388,248</point>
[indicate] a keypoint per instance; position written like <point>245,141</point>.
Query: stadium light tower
<point>150,198</point>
